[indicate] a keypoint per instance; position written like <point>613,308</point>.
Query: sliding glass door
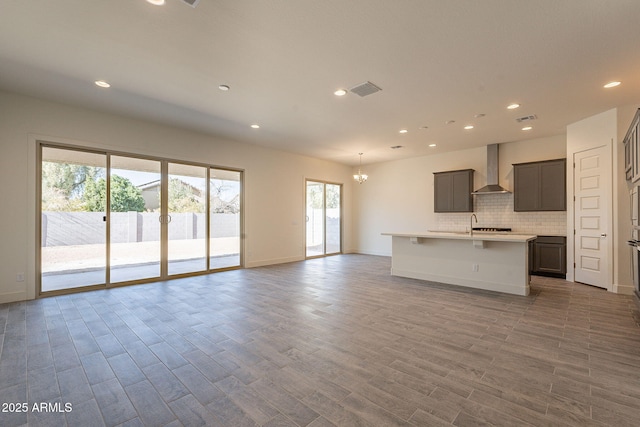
<point>323,218</point>
<point>72,219</point>
<point>110,218</point>
<point>134,220</point>
<point>333,220</point>
<point>186,219</point>
<point>315,219</point>
<point>224,218</point>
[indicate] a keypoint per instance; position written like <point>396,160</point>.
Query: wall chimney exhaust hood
<point>492,186</point>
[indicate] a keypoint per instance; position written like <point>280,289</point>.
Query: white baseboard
<point>13,297</point>
<point>622,289</point>
<point>387,254</point>
<point>273,261</point>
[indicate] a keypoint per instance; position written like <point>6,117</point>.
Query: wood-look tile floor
<point>331,341</point>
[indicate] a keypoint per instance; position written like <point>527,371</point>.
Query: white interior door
<point>592,190</point>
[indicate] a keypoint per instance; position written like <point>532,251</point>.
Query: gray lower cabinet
<point>452,191</point>
<point>540,186</point>
<point>548,256</point>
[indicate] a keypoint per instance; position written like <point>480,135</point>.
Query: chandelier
<point>360,177</point>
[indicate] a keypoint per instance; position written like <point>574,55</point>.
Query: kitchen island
<point>491,261</point>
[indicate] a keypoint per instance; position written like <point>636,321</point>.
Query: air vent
<point>526,118</point>
<point>364,89</point>
<point>192,3</point>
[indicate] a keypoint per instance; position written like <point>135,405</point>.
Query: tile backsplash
<point>496,210</point>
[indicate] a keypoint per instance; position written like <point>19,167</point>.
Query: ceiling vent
<point>526,118</point>
<point>364,89</point>
<point>192,3</point>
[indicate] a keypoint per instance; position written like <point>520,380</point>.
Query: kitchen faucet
<point>471,220</point>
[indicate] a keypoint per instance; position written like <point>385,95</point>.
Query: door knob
<point>603,235</point>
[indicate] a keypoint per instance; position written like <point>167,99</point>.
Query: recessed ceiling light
<point>395,147</point>
<point>611,84</point>
<point>255,126</point>
<point>513,106</point>
<point>449,122</point>
<point>224,88</point>
<point>156,2</point>
<point>468,127</point>
<point>102,83</point>
<point>403,131</point>
<point>479,115</point>
<point>424,127</point>
<point>432,145</point>
<point>527,128</point>
<point>340,92</point>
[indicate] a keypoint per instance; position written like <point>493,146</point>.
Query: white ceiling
<point>435,61</point>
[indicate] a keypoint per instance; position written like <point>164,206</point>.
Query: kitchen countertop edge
<point>503,237</point>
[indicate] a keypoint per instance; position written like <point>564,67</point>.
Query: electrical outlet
<point>475,267</point>
<point>20,277</point>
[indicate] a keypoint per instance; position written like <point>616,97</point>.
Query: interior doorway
<point>592,217</point>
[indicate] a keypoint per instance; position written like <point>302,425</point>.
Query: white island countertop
<point>461,235</point>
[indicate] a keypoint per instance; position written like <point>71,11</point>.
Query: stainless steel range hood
<point>492,186</point>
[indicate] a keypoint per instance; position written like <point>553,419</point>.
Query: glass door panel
<point>73,219</point>
<point>186,217</point>
<point>333,222</point>
<point>315,219</point>
<point>135,219</point>
<point>324,219</point>
<point>224,218</point>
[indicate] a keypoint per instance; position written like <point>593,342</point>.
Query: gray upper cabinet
<point>452,191</point>
<point>632,150</point>
<point>540,186</point>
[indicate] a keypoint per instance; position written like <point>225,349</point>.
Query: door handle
<point>164,219</point>
<point>603,235</point>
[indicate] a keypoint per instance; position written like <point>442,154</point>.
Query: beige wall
<point>274,180</point>
<point>398,195</point>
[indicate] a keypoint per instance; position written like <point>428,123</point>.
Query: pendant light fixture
<point>360,177</point>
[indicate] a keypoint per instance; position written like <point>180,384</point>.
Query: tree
<point>218,204</point>
<point>63,185</point>
<point>182,197</point>
<point>125,197</point>
<point>316,195</point>
<point>68,178</point>
<point>55,200</point>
